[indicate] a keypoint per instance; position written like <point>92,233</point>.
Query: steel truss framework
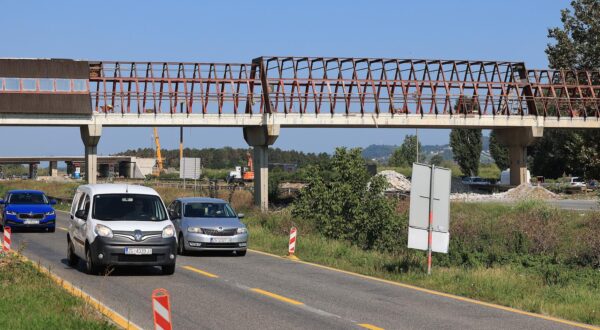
<point>352,86</point>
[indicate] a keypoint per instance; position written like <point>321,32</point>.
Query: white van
<point>120,225</point>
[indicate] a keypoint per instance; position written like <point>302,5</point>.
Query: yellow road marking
<point>370,326</point>
<point>63,228</point>
<point>276,296</point>
<point>194,269</point>
<point>117,318</point>
<point>441,294</point>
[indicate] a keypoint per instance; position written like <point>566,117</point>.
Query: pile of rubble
<point>524,191</point>
<point>397,181</point>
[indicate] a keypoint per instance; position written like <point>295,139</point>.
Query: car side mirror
<point>173,215</point>
<point>52,202</point>
<point>240,215</point>
<point>81,214</point>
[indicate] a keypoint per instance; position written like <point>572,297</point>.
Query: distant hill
<point>382,153</point>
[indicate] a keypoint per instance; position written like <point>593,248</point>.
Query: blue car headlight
<point>49,213</point>
<point>11,213</point>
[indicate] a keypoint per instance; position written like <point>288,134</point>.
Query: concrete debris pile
<point>396,181</point>
<point>527,191</point>
<point>524,191</point>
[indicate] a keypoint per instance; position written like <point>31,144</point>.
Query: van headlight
<point>168,231</point>
<point>103,231</point>
<point>196,230</point>
<point>242,230</point>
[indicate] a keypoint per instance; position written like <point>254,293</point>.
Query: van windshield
<point>131,207</point>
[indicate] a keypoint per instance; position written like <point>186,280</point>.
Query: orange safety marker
<point>161,309</point>
<point>6,240</point>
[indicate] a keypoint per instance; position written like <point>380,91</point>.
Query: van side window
<point>86,204</point>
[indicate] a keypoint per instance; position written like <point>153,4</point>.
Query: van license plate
<point>220,240</point>
<point>138,251</point>
<point>31,222</point>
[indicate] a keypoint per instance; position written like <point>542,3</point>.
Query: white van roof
<point>114,188</point>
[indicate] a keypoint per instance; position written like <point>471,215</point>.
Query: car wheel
<point>72,258</point>
<point>168,269</point>
<point>90,267</point>
<point>51,229</point>
<point>240,253</point>
<point>181,246</point>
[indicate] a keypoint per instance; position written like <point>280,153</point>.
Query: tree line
<point>227,157</point>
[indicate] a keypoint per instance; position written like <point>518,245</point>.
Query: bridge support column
<point>260,138</point>
<point>53,168</point>
<point>33,171</point>
<point>90,135</point>
<point>517,140</point>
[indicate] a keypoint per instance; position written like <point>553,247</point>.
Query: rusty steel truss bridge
<point>314,92</point>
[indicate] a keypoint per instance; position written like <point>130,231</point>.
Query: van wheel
<point>181,246</point>
<point>90,267</point>
<point>72,258</point>
<point>168,269</point>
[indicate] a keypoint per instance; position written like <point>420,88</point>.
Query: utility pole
<point>181,168</point>
<point>417,136</point>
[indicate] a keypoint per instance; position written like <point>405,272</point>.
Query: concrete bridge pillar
<point>517,140</point>
<point>260,138</point>
<point>53,168</point>
<point>90,135</point>
<point>33,170</point>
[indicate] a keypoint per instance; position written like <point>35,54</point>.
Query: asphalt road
<point>576,204</point>
<point>259,291</point>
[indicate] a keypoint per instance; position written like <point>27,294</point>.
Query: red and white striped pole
<point>6,240</point>
<point>292,245</point>
<point>161,309</point>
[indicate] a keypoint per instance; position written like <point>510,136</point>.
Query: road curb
<point>115,317</point>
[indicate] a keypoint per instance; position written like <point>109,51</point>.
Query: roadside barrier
<point>292,246</point>
<point>6,239</point>
<point>161,309</point>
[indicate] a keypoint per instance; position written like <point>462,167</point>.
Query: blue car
<point>28,209</point>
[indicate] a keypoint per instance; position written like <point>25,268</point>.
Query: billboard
<point>190,168</point>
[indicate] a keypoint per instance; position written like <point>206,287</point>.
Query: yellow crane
<point>159,159</point>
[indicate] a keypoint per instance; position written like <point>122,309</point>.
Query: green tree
<point>406,154</point>
<point>499,152</point>
<point>466,148</point>
<point>436,160</point>
<point>576,45</point>
<point>345,203</point>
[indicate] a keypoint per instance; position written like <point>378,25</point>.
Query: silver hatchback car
<point>208,224</point>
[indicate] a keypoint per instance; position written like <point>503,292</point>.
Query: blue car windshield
<point>27,198</point>
<point>208,210</point>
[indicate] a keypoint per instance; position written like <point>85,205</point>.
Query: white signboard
<point>190,168</point>
<point>422,207</point>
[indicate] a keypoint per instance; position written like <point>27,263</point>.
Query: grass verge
<point>32,300</point>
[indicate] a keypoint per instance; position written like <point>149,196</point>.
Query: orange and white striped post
<point>6,239</point>
<point>161,310</point>
<point>292,245</point>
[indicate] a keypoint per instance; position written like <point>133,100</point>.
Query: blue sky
<point>237,31</point>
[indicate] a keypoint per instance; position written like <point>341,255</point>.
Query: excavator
<point>242,174</point>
